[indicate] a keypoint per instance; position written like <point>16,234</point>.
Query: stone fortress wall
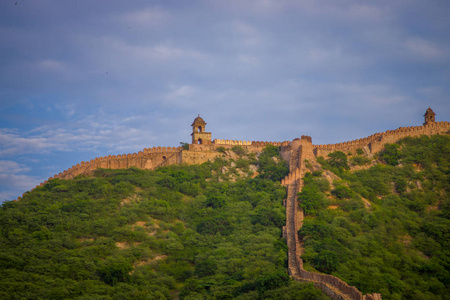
<point>294,152</point>
<point>302,149</point>
<point>375,142</point>
<point>335,288</point>
<point>220,142</point>
<point>149,158</point>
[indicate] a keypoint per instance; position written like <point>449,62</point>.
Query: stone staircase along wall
<point>295,153</point>
<point>332,286</point>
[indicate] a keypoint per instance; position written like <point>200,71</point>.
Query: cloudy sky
<point>82,79</point>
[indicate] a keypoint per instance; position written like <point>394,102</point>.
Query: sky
<point>83,79</point>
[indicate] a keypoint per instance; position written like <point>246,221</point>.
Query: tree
<point>184,145</point>
<point>114,271</point>
<point>326,261</point>
<point>271,164</point>
<point>338,159</point>
<point>204,268</point>
<point>311,199</point>
<point>390,154</point>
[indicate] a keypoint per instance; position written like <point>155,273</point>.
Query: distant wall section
<point>375,143</point>
<point>149,158</point>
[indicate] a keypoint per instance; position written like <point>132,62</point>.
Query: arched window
<point>200,141</point>
<point>199,128</point>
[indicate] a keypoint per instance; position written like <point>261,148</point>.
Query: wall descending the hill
<point>295,153</point>
<point>335,288</point>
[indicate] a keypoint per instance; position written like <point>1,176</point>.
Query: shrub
<point>242,163</point>
<point>390,155</point>
<point>204,268</point>
<point>184,146</point>
<point>311,199</point>
<point>114,271</point>
<point>326,261</point>
<point>238,150</point>
<point>221,149</point>
<point>342,192</point>
<point>338,159</point>
<point>360,160</point>
<point>271,165</point>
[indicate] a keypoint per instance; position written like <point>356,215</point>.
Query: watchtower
<point>429,117</point>
<point>199,136</point>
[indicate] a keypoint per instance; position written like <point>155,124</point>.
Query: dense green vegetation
<point>386,228</point>
<point>207,231</point>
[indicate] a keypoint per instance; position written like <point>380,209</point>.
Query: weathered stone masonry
<point>302,149</point>
<point>295,152</point>
<point>335,288</point>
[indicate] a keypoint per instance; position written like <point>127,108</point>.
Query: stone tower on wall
<point>429,116</point>
<point>199,134</point>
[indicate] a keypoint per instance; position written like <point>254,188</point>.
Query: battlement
<point>231,142</point>
<point>375,142</point>
<point>295,152</point>
<point>248,143</point>
<point>148,158</point>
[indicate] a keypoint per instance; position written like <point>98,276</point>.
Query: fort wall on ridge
<point>375,142</point>
<point>295,153</point>
<point>204,150</point>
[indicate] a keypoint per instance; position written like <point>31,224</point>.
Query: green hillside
<point>386,227</point>
<point>210,231</point>
<point>213,231</point>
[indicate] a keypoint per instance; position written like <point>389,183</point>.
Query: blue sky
<point>82,79</point>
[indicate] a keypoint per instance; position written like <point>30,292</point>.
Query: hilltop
<point>203,148</point>
<point>382,223</point>
<point>339,227</point>
<point>190,232</point>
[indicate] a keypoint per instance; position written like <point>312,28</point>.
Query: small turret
<point>429,116</point>
<point>199,136</point>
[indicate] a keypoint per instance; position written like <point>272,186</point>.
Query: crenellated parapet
<point>148,158</point>
<point>375,142</point>
<point>232,142</point>
<point>249,143</point>
<point>204,149</point>
<point>264,144</point>
<point>333,287</point>
<point>291,177</point>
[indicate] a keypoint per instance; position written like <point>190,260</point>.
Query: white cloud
<point>88,134</point>
<point>423,48</point>
<point>249,35</point>
<point>250,60</point>
<point>182,92</point>
<point>147,17</point>
<point>52,65</point>
<point>12,167</point>
<point>366,12</point>
<point>13,143</point>
<point>13,181</point>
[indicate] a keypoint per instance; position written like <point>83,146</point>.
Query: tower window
<point>199,128</point>
<point>200,141</point>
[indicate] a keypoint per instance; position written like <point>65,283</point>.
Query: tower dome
<point>198,121</point>
<point>429,116</point>
<point>199,134</point>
